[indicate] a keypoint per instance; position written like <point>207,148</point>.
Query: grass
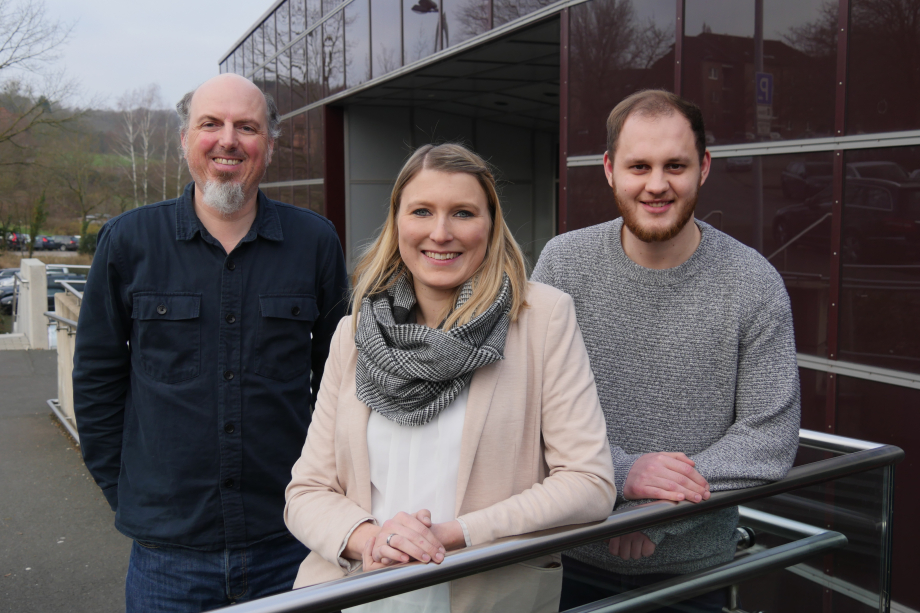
<point>10,259</point>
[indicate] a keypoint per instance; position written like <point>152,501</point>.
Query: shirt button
<point>228,428</point>
<point>228,483</point>
<point>231,265</point>
<point>231,318</point>
<point>161,309</point>
<point>295,311</point>
<point>228,374</point>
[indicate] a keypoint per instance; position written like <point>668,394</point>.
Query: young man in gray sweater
<point>690,338</point>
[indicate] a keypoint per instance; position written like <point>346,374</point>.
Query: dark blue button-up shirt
<point>192,384</point>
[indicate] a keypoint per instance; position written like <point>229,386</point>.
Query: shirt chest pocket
<point>168,335</point>
<point>283,341</point>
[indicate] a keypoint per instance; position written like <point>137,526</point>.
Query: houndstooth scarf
<point>408,372</point>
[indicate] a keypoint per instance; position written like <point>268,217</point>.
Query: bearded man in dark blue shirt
<point>202,320</point>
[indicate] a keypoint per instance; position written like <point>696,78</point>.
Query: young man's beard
<point>647,235</point>
<point>224,195</point>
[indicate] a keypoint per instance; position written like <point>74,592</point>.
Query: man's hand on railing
<point>665,476</point>
<point>631,546</point>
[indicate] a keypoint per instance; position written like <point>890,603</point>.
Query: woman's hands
<point>412,537</point>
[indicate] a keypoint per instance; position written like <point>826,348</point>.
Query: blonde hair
<point>375,271</point>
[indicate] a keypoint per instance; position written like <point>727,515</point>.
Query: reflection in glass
<point>385,36</point>
<point>424,31</point>
<point>333,59</point>
<point>246,67</point>
<point>464,19</point>
<point>315,143</point>
<point>317,204</point>
<point>617,47</point>
<point>883,79</point>
<point>298,54</point>
<point>300,196</point>
<point>590,199</point>
<point>298,17</point>
<point>284,81</point>
<point>882,413</point>
<point>283,24</point>
<point>270,79</point>
<point>314,12</point>
<point>795,230</point>
<point>300,147</point>
<point>814,399</point>
<point>315,89</point>
<point>268,36</point>
<point>504,11</point>
<point>284,155</point>
<point>795,96</point>
<point>357,43</point>
<point>880,252</point>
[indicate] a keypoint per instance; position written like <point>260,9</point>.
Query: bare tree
<point>138,108</point>
<point>85,186</point>
<point>127,139</point>
<point>30,95</point>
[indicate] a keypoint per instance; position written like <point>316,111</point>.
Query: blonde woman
<point>457,404</point>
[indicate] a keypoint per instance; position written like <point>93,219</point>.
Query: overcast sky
<point>118,45</point>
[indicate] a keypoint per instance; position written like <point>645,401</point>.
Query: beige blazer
<point>534,455</point>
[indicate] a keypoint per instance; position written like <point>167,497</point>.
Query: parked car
<point>890,171</point>
<point>44,243</point>
<point>18,241</point>
<point>67,243</point>
<point>53,286</point>
<point>876,213</point>
<point>801,180</point>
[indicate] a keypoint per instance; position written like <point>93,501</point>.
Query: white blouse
<point>412,468</point>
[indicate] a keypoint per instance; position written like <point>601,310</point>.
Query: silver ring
<point>392,534</point>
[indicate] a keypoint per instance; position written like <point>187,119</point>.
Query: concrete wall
<point>380,139</point>
<point>33,302</point>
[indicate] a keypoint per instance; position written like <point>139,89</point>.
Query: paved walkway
<point>58,549</point>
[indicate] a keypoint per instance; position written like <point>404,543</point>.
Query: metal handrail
<point>63,321</point>
<point>797,237</point>
<point>68,287</point>
<point>374,585</point>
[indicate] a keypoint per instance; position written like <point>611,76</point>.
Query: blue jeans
<point>176,580</point>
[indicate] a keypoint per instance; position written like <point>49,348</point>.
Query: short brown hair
<point>655,103</point>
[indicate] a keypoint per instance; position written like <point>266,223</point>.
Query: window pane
<point>423,33</point>
<point>268,32</point>
<point>590,200</point>
<point>283,152</point>
<point>258,47</point>
<point>464,19</point>
<point>283,24</point>
<point>357,43</point>
<point>247,67</point>
<point>270,82</point>
<point>300,196</point>
<point>300,145</point>
<point>316,200</point>
<point>814,398</point>
<point>385,27</point>
<point>616,49</point>
<point>315,66</point>
<point>880,251</point>
<point>799,59</point>
<point>315,123</point>
<point>334,54</point>
<point>314,12</point>
<point>796,209</point>
<point>504,11</point>
<point>886,414</point>
<point>883,75</point>
<point>284,82</point>
<point>298,17</point>
<point>299,74</point>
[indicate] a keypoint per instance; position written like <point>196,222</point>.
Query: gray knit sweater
<point>699,359</point>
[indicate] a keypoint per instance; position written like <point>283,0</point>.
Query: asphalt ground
<point>59,550</point>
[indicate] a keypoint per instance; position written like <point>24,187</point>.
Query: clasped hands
<point>662,476</point>
<point>403,538</point>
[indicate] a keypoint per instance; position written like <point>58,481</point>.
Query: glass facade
<point>840,220</point>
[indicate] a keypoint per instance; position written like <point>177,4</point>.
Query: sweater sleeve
<point>579,487</point>
<point>761,444</point>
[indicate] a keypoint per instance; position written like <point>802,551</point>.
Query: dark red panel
<point>334,168</point>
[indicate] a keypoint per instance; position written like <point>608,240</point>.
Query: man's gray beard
<point>225,197</point>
